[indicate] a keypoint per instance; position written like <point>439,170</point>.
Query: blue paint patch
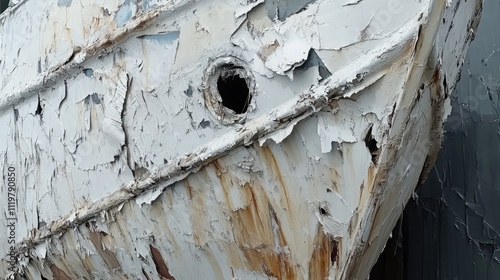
<point>64,3</point>
<point>189,91</point>
<point>285,8</point>
<point>124,13</point>
<point>164,39</point>
<point>204,124</point>
<point>146,6</point>
<point>313,60</point>
<point>89,72</point>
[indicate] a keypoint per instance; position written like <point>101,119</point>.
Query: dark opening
<point>371,144</point>
<point>323,211</point>
<point>38,107</point>
<point>233,89</point>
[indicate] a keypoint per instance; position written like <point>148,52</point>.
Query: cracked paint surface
<point>123,171</point>
<point>457,208</point>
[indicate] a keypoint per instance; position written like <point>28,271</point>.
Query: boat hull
<point>128,172</point>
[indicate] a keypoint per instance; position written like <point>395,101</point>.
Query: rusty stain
<point>198,208</point>
<point>336,248</point>
<point>168,197</point>
<point>225,189</point>
<point>220,169</point>
<point>353,223</point>
<point>188,188</point>
<point>88,265</point>
<point>271,162</point>
<point>268,49</point>
<point>435,131</point>
<point>252,225</point>
<point>161,266</point>
<point>321,258</point>
<point>108,256</point>
<point>272,263</point>
<point>372,171</point>
<point>335,179</point>
<point>253,231</point>
<point>213,263</point>
<point>58,273</point>
<point>281,236</point>
<point>159,211</point>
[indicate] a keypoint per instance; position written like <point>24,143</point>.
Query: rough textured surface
<point>453,221</point>
<point>125,168</point>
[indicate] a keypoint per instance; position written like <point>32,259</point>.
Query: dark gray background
<point>451,229</point>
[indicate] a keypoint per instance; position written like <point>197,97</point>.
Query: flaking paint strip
<point>306,104</point>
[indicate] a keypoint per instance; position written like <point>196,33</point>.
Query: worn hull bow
<point>218,139</point>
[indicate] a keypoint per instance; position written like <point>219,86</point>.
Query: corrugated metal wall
<point>451,230</point>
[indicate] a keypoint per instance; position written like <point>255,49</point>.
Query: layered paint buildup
<point>209,139</point>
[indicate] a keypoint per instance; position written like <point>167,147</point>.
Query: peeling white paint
<point>118,150</point>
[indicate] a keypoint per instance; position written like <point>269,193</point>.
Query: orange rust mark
<point>267,50</point>
<point>168,196</point>
<point>371,176</point>
<point>220,169</point>
<point>58,273</point>
<point>361,189</point>
<point>234,254</point>
<point>271,162</point>
<point>435,82</point>
<point>281,236</point>
<point>161,266</point>
<point>335,177</point>
<point>214,263</point>
<point>252,224</point>
<point>246,192</point>
<point>197,208</point>
<point>109,258</point>
<point>436,124</point>
<point>321,258</point>
<point>255,236</point>
<point>354,222</point>
<point>88,265</point>
<point>188,188</point>
<point>226,183</point>
<point>158,210</point>
<point>266,260</point>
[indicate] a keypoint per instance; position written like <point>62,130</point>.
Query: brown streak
<point>108,256</point>
<point>58,273</point>
<point>321,258</point>
<point>161,266</point>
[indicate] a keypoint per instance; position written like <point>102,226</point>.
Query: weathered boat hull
<point>129,164</point>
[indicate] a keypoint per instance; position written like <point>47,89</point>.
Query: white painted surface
<point>103,101</point>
